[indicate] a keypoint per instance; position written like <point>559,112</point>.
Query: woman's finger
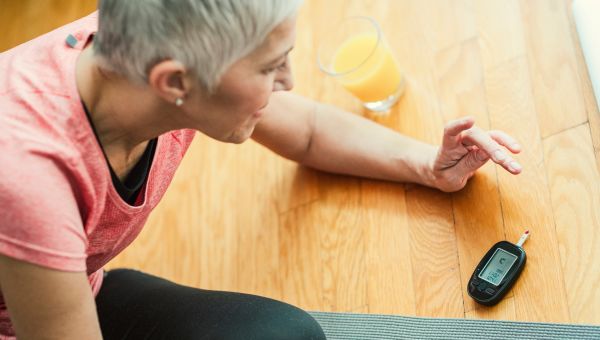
<point>505,140</point>
<point>485,142</point>
<point>453,130</point>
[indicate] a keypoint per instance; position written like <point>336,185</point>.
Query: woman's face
<point>232,112</point>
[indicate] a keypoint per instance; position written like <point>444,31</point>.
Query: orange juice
<point>370,71</point>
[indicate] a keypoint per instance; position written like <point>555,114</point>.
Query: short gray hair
<point>207,36</point>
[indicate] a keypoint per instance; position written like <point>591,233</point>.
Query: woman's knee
<point>243,316</point>
<point>284,321</point>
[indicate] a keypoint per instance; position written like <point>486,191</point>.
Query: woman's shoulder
<point>40,107</point>
<point>46,64</point>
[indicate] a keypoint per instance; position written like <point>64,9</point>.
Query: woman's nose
<point>284,81</point>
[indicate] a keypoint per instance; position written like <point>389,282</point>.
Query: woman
<point>95,118</point>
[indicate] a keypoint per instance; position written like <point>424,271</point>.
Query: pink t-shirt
<point>58,206</point>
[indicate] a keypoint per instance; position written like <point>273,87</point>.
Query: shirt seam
<point>14,242</point>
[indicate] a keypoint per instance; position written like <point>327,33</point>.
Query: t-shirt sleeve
<point>40,222</point>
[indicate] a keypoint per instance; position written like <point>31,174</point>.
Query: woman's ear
<point>170,80</point>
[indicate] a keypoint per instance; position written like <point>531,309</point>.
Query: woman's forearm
<point>342,142</point>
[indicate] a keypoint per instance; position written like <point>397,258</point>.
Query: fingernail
<point>516,146</point>
<point>514,166</point>
<point>481,156</point>
<point>499,155</point>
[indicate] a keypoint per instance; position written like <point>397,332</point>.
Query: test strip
<point>523,238</point>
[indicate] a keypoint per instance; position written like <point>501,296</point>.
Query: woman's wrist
<point>417,165</point>
<point>425,165</point>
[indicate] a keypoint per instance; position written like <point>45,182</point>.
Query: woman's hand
<point>465,148</point>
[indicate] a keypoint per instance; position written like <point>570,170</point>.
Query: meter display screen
<point>497,267</point>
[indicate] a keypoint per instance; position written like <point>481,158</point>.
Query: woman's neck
<point>124,116</point>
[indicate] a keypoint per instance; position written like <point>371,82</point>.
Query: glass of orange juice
<point>358,56</point>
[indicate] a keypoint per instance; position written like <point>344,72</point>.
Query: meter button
<point>490,291</point>
<point>482,286</point>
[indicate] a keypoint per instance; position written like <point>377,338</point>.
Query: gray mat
<point>348,326</point>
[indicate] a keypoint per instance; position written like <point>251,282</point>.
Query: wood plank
<point>511,109</point>
<point>586,87</point>
<point>16,18</point>
<point>432,237</point>
<point>478,226</point>
<point>434,256</point>
<point>256,219</point>
<point>524,198</point>
<point>460,82</point>
<point>342,242</point>
<point>417,114</point>
<point>384,219</point>
<point>553,66</point>
<point>500,31</point>
<point>504,310</point>
<point>575,192</point>
<point>445,23</point>
<point>301,267</point>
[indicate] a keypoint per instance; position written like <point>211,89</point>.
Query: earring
<point>179,101</point>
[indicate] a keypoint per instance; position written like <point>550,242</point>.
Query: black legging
<point>134,305</point>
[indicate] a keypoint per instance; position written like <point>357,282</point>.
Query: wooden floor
<point>241,218</point>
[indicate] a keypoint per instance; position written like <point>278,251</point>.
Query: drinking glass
<point>357,54</point>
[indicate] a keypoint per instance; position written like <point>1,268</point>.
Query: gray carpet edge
<point>350,326</point>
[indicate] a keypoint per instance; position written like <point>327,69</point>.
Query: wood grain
<point>591,103</point>
<point>462,92</point>
<point>342,241</point>
<point>500,31</point>
<point>385,219</point>
<point>25,20</point>
<point>555,81</point>
<point>575,192</point>
<point>524,200</point>
<point>434,256</point>
<point>301,273</point>
<point>237,217</point>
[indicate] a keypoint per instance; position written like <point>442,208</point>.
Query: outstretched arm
<point>330,139</point>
